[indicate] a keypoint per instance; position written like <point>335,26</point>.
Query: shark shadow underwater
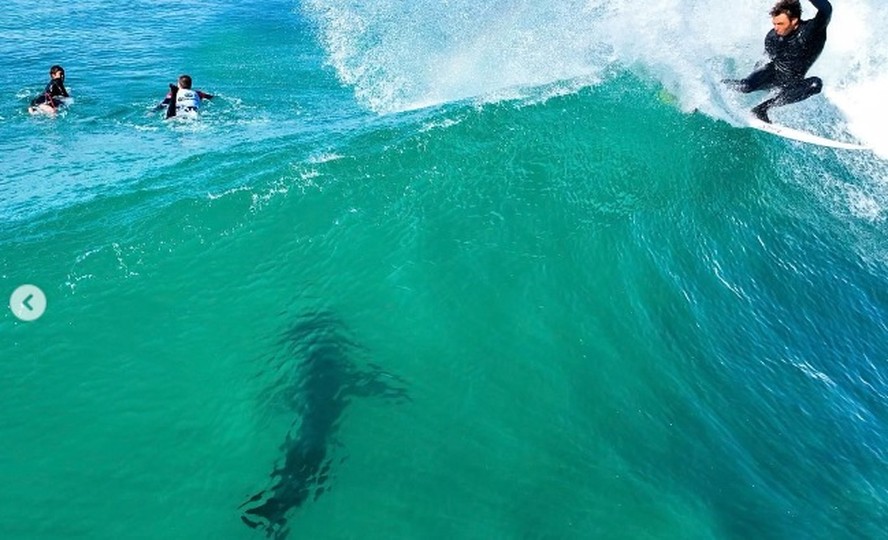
<point>318,378</point>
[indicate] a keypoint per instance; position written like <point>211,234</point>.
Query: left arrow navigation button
<point>27,303</point>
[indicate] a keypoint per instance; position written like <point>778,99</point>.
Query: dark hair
<point>185,81</point>
<point>790,8</point>
<point>55,69</point>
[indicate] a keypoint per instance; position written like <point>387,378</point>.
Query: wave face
<point>400,54</point>
<point>614,313</point>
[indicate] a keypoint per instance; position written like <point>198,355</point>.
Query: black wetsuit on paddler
<point>54,89</point>
<point>792,46</point>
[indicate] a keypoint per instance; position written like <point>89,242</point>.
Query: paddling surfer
<point>792,46</point>
<point>182,98</point>
<point>51,98</point>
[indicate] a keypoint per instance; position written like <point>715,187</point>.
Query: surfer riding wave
<point>792,47</point>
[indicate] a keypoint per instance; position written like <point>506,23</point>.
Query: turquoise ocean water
<point>440,270</point>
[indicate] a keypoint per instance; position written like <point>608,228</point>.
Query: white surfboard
<point>43,109</point>
<point>802,136</point>
<point>49,110</point>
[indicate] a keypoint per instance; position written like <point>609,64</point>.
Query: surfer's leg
<point>761,110</point>
<point>759,79</point>
<point>799,91</point>
<point>789,93</point>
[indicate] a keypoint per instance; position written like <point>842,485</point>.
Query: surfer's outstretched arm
<point>824,13</point>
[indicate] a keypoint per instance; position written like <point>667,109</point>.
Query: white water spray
<point>403,54</point>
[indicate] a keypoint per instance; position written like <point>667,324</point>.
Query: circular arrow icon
<point>27,303</point>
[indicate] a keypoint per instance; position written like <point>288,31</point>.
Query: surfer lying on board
<point>793,46</point>
<point>182,99</point>
<point>50,100</point>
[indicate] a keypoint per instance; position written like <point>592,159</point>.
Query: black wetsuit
<point>54,90</point>
<point>791,58</point>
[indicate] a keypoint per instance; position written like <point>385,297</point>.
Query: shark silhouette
<point>319,379</point>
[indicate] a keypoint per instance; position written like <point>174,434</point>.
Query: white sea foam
<point>403,54</point>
